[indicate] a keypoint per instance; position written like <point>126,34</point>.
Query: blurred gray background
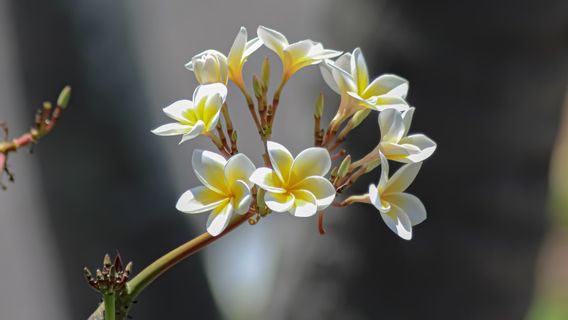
<point>488,80</point>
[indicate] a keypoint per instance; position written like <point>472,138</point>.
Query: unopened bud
<point>333,174</point>
<point>87,273</point>
<point>47,105</point>
<point>319,106</point>
<point>106,261</point>
<point>358,117</point>
<point>344,167</point>
<point>128,268</point>
<point>265,73</point>
<point>256,86</point>
<point>64,97</point>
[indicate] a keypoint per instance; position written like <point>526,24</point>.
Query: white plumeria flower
<point>226,188</point>
<point>400,211</point>
<point>197,116</point>
<point>296,55</point>
<point>213,66</point>
<point>239,53</point>
<point>396,144</point>
<point>296,185</point>
<point>349,77</point>
<point>210,66</point>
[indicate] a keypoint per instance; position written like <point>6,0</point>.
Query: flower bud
<point>64,97</point>
<point>256,86</point>
<point>358,117</point>
<point>209,67</point>
<point>265,73</point>
<point>319,106</point>
<point>344,167</point>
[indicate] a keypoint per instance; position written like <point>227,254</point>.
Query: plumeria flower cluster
<point>234,188</point>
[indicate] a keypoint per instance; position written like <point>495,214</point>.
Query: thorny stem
<point>143,279</point>
<point>109,302</point>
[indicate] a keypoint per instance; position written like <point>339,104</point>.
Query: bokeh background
<point>488,78</point>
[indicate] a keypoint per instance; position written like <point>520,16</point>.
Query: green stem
<point>170,259</point>
<point>109,302</point>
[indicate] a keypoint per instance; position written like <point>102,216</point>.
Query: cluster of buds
<point>299,185</point>
<point>112,278</point>
<point>45,120</point>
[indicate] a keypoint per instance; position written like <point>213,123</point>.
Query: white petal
<point>426,145</point>
<point>199,199</point>
<point>390,123</point>
<point>399,152</point>
<point>324,54</point>
<point>239,167</point>
<point>321,188</point>
<point>314,161</point>
<point>207,90</point>
<point>237,50</point>
<point>401,179</point>
<point>281,160</point>
<point>300,49</point>
<point>171,129</point>
<point>385,102</point>
<point>327,75</point>
<point>209,169</point>
<point>390,84</point>
<point>196,130</point>
<point>359,70</point>
<point>383,181</point>
<point>411,205</point>
<point>343,78</point>
<point>407,119</point>
<point>375,198</point>
<point>267,179</point>
<point>397,220</point>
<point>241,196</point>
<point>344,63</point>
<point>304,204</point>
<point>189,65</point>
<point>177,109</point>
<point>219,219</point>
<point>279,202</point>
<point>273,40</point>
<point>252,46</point>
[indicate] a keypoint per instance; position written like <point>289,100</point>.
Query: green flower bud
<point>64,97</point>
<point>265,73</point>
<point>319,106</point>
<point>344,167</point>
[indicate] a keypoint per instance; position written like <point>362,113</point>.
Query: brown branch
<point>44,122</point>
